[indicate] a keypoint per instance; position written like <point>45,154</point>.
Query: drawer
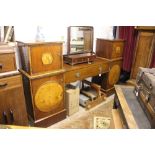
<point>7,62</point>
<point>10,82</point>
<point>117,50</point>
<point>79,74</point>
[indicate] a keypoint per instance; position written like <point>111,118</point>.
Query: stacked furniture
<point>42,70</point>
<point>112,51</point>
<point>12,100</point>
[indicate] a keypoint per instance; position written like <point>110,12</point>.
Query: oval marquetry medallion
<point>47,58</point>
<point>114,74</point>
<point>48,96</point>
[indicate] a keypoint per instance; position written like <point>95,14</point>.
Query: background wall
<point>56,33</point>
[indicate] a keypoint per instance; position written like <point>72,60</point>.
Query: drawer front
<point>46,58</point>
<point>118,48</point>
<point>7,62</point>
<point>79,74</point>
<point>9,82</point>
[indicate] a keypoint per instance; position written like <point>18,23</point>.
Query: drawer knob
<point>77,75</point>
<point>1,66</point>
<point>11,116</point>
<point>5,118</point>
<point>3,84</point>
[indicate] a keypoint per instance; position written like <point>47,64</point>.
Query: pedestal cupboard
<point>43,78</point>
<point>108,80</point>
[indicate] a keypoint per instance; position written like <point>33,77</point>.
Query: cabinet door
<point>12,101</point>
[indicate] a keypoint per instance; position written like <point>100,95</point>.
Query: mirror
<point>80,39</point>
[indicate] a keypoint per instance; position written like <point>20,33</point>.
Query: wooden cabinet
<point>42,71</point>
<point>45,98</point>
<point>41,57</point>
<point>112,50</point>
<point>109,49</point>
<point>12,101</point>
<point>144,49</point>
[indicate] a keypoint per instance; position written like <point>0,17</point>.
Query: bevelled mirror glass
<point>80,39</point>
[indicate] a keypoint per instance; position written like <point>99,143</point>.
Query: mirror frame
<point>85,28</point>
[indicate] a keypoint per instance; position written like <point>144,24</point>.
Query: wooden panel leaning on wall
<point>144,49</point>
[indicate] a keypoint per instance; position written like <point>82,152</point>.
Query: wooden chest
<point>12,101</point>
<point>108,80</point>
<point>45,97</point>
<point>74,59</point>
<point>41,57</point>
<point>109,49</point>
<point>7,59</point>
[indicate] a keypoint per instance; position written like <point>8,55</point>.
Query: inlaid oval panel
<point>47,58</point>
<point>114,74</point>
<point>48,96</point>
